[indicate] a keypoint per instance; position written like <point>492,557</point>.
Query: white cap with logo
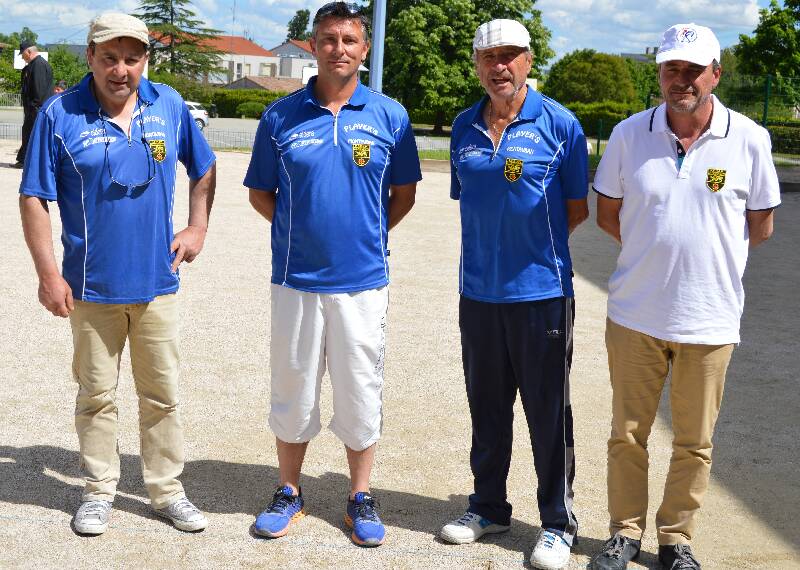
<point>499,33</point>
<point>113,25</point>
<point>689,42</point>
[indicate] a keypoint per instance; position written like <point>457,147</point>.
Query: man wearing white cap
<point>685,188</point>
<point>519,172</point>
<point>107,151</point>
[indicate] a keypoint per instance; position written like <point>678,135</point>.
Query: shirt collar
<point>359,97</point>
<point>720,119</point>
<point>88,102</point>
<point>530,111</point>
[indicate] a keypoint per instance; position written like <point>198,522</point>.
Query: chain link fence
<point>10,100</point>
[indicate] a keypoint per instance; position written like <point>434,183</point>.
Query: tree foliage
<point>298,26</point>
<point>67,66</point>
<point>178,46</point>
<point>587,76</point>
<point>774,47</point>
<point>644,75</point>
<point>428,50</point>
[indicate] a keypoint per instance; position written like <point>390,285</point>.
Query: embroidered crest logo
<point>361,154</point>
<point>715,179</point>
<point>513,169</point>
<point>159,149</point>
<point>687,35</point>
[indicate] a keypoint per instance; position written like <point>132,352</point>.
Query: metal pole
<point>378,35</point>
<point>599,135</point>
<point>766,101</point>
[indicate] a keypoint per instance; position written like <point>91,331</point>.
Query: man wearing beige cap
<point>686,189</point>
<point>107,150</point>
<point>519,172</point>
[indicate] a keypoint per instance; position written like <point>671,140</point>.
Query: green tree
<point>10,78</point>
<point>644,75</point>
<point>774,47</point>
<point>428,52</point>
<point>587,76</point>
<point>66,65</point>
<point>180,41</point>
<point>298,26</point>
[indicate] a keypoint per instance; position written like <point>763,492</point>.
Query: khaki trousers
<point>99,332</point>
<point>639,365</point>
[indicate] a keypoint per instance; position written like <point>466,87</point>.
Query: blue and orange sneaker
<point>362,517</point>
<point>285,508</point>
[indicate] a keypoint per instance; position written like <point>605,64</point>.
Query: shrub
<point>610,113</point>
<point>228,100</point>
<point>250,109</point>
<point>785,139</point>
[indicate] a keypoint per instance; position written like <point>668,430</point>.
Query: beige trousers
<point>639,365</point>
<point>99,332</point>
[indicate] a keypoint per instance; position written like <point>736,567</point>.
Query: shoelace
<point>549,539</point>
<point>184,506</point>
<point>95,508</point>
<point>467,518</point>
<point>615,547</point>
<point>366,509</point>
<point>279,502</point>
<point>684,559</point>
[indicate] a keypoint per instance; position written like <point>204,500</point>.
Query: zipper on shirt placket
<point>500,141</point>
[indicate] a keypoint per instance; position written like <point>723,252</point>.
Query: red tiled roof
<point>273,83</point>
<point>304,44</point>
<point>237,45</point>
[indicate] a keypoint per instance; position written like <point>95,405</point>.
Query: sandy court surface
<point>422,474</point>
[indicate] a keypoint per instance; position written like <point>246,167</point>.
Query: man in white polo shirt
<point>686,188</point>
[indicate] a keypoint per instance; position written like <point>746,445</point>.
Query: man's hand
<point>187,245</point>
<point>56,295</point>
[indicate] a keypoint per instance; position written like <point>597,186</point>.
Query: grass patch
<point>434,154</point>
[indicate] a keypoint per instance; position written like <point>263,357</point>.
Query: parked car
<point>199,113</point>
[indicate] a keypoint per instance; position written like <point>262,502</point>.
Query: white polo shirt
<point>684,232</point>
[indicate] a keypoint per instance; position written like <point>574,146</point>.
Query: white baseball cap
<point>501,33</point>
<point>113,25</point>
<point>689,42</point>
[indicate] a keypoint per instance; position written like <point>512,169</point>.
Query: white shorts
<point>344,330</point>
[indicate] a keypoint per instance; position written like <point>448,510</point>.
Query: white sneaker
<point>469,528</point>
<point>92,517</point>
<point>184,515</point>
<point>551,552</point>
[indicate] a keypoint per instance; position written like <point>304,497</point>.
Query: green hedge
<point>785,139</point>
<point>599,118</point>
<point>250,109</point>
<point>228,100</point>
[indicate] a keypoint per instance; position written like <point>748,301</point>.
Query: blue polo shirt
<point>117,226</point>
<point>332,175</point>
<point>513,201</point>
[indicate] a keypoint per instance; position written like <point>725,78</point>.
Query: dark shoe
<point>677,557</point>
<point>18,165</point>
<point>617,552</point>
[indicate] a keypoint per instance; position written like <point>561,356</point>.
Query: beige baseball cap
<point>501,33</point>
<point>114,25</point>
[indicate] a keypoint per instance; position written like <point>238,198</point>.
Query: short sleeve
<point>764,187</point>
<point>405,163</point>
<point>608,178</point>
<point>455,183</point>
<point>41,160</point>
<point>573,171</point>
<point>262,173</point>
<point>193,148</point>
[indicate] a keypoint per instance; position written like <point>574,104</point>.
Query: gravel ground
<point>422,473</point>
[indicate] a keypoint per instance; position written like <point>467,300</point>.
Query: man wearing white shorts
<point>334,167</point>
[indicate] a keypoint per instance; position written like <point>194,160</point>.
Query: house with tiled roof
<point>285,84</point>
<point>295,55</point>
<point>239,58</point>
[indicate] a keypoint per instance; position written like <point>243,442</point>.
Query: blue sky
<point>611,26</point>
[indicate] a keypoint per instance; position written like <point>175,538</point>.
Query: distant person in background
<point>60,87</point>
<point>37,86</point>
